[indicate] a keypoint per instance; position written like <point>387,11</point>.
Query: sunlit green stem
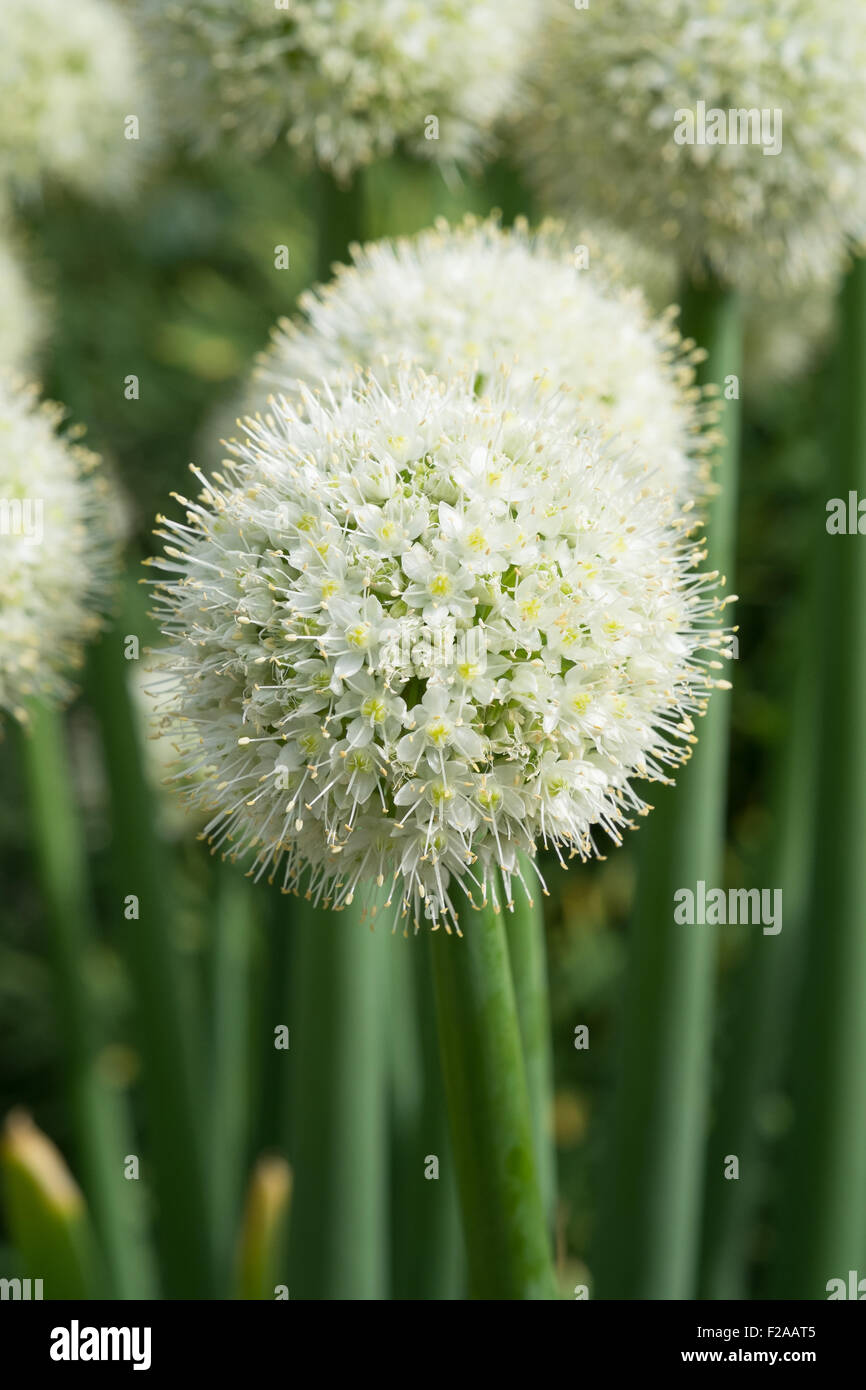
<point>339,221</point>
<point>524,927</point>
<point>425,1211</point>
<point>504,1223</point>
<point>229,1056</point>
<point>338,1075</point>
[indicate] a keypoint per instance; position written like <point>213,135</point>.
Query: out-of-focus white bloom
<point>22,326</point>
<point>784,331</point>
<point>343,80</point>
<point>59,525</point>
<point>476,297</point>
<point>69,82</point>
<point>417,630</point>
<point>619,85</point>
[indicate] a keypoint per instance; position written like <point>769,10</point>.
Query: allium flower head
<point>613,80</point>
<point>58,531</point>
<point>344,82</point>
<point>68,82</point>
<point>416,631</point>
<point>477,297</point>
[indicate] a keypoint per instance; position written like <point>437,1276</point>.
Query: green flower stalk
<point>338,1243</point>
<point>504,1219</point>
<point>425,1215</point>
<point>524,930</point>
<point>229,969</point>
<point>339,219</point>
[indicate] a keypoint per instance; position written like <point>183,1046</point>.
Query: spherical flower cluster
<point>477,297</point>
<point>342,82</point>
<point>416,631</point>
<point>58,530</point>
<point>642,115</point>
<point>68,82</point>
<point>21,321</point>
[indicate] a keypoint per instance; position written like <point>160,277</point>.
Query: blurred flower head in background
<point>343,82</point>
<point>615,83</point>
<point>60,522</point>
<point>476,297</point>
<point>416,631</point>
<point>70,90</point>
<point>785,329</point>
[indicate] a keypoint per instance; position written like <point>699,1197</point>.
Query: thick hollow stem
<point>425,1211</point>
<point>504,1222</point>
<point>339,221</point>
<point>648,1233</point>
<point>524,928</point>
<point>337,1072</point>
<point>229,1070</point>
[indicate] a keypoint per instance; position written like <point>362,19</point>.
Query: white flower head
<point>59,529</point>
<point>476,297</point>
<point>69,84</point>
<point>416,631</point>
<point>343,82</point>
<point>625,127</point>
